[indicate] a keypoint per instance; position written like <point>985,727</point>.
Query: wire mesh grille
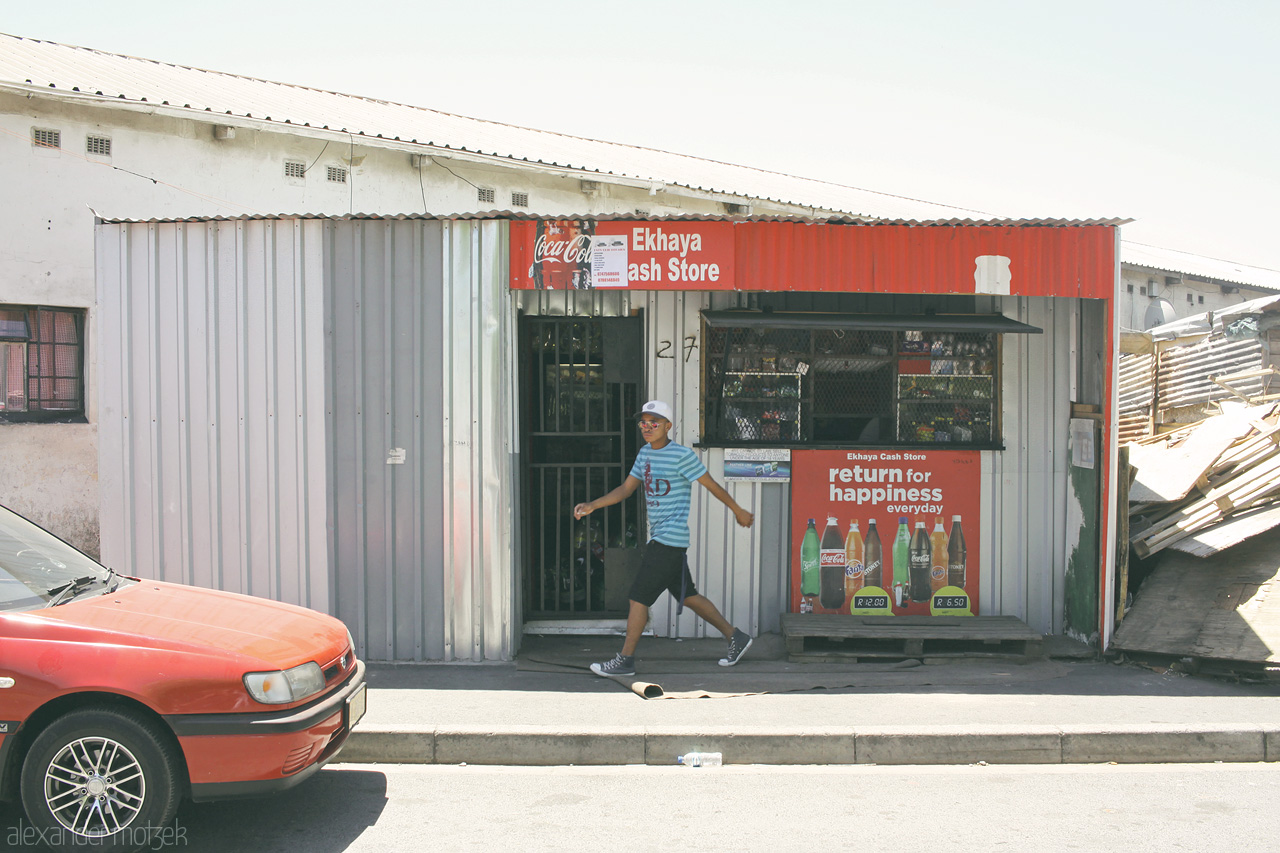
<point>946,387</point>
<point>785,385</point>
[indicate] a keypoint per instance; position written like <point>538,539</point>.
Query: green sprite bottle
<point>902,565</point>
<point>810,577</point>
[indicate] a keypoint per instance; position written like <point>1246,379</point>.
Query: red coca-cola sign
<point>643,255</point>
<point>562,255</point>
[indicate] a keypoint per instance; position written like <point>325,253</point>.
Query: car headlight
<point>277,688</point>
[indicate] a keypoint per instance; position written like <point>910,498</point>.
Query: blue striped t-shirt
<point>668,476</point>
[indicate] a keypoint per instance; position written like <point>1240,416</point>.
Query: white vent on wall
<point>99,146</point>
<point>43,138</point>
<point>519,199</point>
<point>337,174</point>
<point>486,195</point>
<point>294,169</point>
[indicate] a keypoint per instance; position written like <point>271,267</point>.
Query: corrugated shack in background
<point>1202,427</point>
<point>1177,373</point>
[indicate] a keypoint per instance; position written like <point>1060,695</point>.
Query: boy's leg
<point>702,606</point>
<point>739,641</point>
<point>637,618</point>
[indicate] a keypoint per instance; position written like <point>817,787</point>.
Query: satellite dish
<point>1159,312</point>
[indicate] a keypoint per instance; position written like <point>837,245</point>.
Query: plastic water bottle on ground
<point>700,759</point>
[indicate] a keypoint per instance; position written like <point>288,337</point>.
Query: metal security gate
<point>580,388</point>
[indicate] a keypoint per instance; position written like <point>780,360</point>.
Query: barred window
<point>41,363</point>
<point>790,385</point>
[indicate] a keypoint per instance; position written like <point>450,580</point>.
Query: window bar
<point>573,544</point>
<point>558,552</point>
<point>555,373</point>
<point>604,411</point>
<point>601,407</point>
<point>540,374</point>
<point>574,391</point>
<point>542,533</point>
<point>590,550</point>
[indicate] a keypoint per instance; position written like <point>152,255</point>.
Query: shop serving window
<point>797,379</point>
<point>41,363</point>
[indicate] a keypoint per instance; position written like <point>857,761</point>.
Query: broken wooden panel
<point>1170,473</point>
<point>1223,607</point>
<point>1230,531</point>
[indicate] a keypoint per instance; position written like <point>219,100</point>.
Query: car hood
<point>171,616</point>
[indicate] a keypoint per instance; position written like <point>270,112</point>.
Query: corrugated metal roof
<point>1172,260</point>
<point>626,217</point>
<point>30,64</point>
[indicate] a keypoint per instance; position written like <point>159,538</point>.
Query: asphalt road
<point>382,808</point>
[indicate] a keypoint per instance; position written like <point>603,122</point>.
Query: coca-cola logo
<point>574,250</point>
<point>832,558</point>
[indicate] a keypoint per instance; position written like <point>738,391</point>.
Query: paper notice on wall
<point>609,260</point>
<point>1082,449</point>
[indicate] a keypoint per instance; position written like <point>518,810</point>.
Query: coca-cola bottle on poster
<point>562,254</point>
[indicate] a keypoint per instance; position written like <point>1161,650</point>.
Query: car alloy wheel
<point>94,786</point>
<point>105,778</point>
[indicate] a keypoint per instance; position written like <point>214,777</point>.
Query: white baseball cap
<point>656,407</point>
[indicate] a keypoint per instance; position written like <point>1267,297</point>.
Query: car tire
<point>101,778</point>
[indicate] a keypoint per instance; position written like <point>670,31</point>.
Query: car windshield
<point>38,569</point>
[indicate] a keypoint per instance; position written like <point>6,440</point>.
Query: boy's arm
<point>744,518</point>
<point>618,495</point>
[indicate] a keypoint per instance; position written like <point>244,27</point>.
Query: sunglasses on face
<point>649,424</point>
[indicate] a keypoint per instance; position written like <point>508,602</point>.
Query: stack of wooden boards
<point>1208,486</point>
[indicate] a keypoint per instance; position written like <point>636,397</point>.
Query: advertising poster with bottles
<point>885,532</point>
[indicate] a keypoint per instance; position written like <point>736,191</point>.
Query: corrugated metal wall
<point>1024,494</point>
<point>383,333</point>
<point>257,377</point>
<point>1183,386</point>
<point>1174,386</point>
<point>211,405</point>
<point>1137,395</point>
<point>419,371</point>
<point>480,459</point>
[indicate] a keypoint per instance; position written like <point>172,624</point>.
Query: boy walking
<point>667,471</point>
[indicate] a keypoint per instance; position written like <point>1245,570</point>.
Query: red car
<point>121,696</point>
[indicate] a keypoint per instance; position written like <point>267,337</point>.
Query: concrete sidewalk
<point>954,711</point>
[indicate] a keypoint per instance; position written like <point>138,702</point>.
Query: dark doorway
<point>580,387</point>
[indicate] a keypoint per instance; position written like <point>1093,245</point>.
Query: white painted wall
<point>165,164</point>
<point>1188,296</point>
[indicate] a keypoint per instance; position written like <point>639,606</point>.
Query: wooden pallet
<point>830,638</point>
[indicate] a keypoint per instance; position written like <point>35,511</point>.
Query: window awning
<point>915,322</point>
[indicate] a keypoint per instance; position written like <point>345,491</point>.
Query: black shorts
<point>662,567</point>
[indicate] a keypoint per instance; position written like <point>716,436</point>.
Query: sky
<point>1164,111</point>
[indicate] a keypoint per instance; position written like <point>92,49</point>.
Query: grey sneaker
<point>738,645</point>
<point>620,665</point>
